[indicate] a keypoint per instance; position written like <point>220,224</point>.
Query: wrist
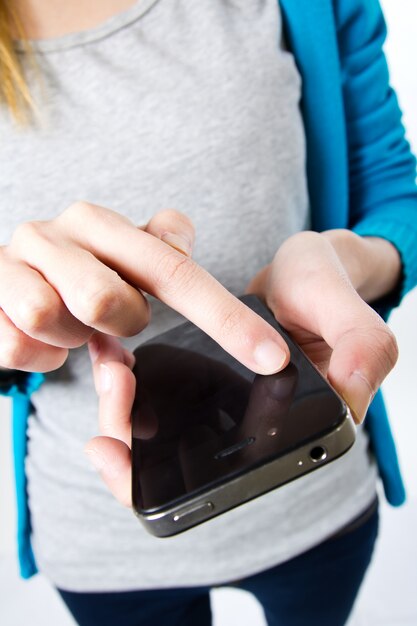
<point>373,264</point>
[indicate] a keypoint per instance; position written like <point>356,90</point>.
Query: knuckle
<point>385,346</point>
<point>13,353</point>
<point>25,232</point>
<point>82,212</point>
<point>79,210</point>
<point>34,315</point>
<point>174,272</point>
<point>301,240</point>
<point>389,346</point>
<point>96,303</point>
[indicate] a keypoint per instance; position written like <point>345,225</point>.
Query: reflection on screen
<point>200,416</point>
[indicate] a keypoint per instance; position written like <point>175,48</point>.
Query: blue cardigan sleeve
<point>382,169</point>
<point>20,386</point>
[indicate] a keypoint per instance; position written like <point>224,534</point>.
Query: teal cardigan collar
<point>311,34</point>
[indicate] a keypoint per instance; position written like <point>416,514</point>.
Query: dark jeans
<point>318,587</point>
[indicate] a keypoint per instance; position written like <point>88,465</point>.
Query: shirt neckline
<point>83,37</point>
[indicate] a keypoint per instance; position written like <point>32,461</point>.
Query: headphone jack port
<point>318,454</point>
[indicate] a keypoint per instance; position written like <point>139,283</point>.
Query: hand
<point>312,288</point>
<point>116,385</point>
<point>87,269</point>
<point>308,286</point>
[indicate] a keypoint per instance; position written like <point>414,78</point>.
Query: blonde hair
<point>14,91</point>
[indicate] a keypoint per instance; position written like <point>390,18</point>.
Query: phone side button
<point>193,513</point>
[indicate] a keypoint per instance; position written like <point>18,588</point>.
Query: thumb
<point>362,357</point>
<point>174,228</point>
<point>364,349</point>
<point>111,458</point>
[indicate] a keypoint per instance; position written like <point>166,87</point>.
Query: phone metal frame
<point>254,483</point>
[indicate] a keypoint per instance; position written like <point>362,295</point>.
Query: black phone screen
<point>200,417</point>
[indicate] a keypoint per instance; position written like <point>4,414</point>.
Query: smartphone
<point>208,434</point>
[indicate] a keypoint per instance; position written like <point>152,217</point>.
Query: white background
<point>388,596</point>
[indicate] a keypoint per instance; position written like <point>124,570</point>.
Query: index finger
<point>154,267</point>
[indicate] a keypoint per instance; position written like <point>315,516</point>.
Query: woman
<point>150,104</point>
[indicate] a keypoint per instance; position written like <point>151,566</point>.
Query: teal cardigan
<point>361,175</point>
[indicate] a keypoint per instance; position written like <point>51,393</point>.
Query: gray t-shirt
<point>191,105</point>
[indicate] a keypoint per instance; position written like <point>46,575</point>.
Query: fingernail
<point>358,394</point>
<point>269,356</point>
<point>180,243</point>
<point>106,378</point>
<point>93,349</point>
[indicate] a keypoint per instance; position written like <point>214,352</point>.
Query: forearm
<point>373,264</point>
